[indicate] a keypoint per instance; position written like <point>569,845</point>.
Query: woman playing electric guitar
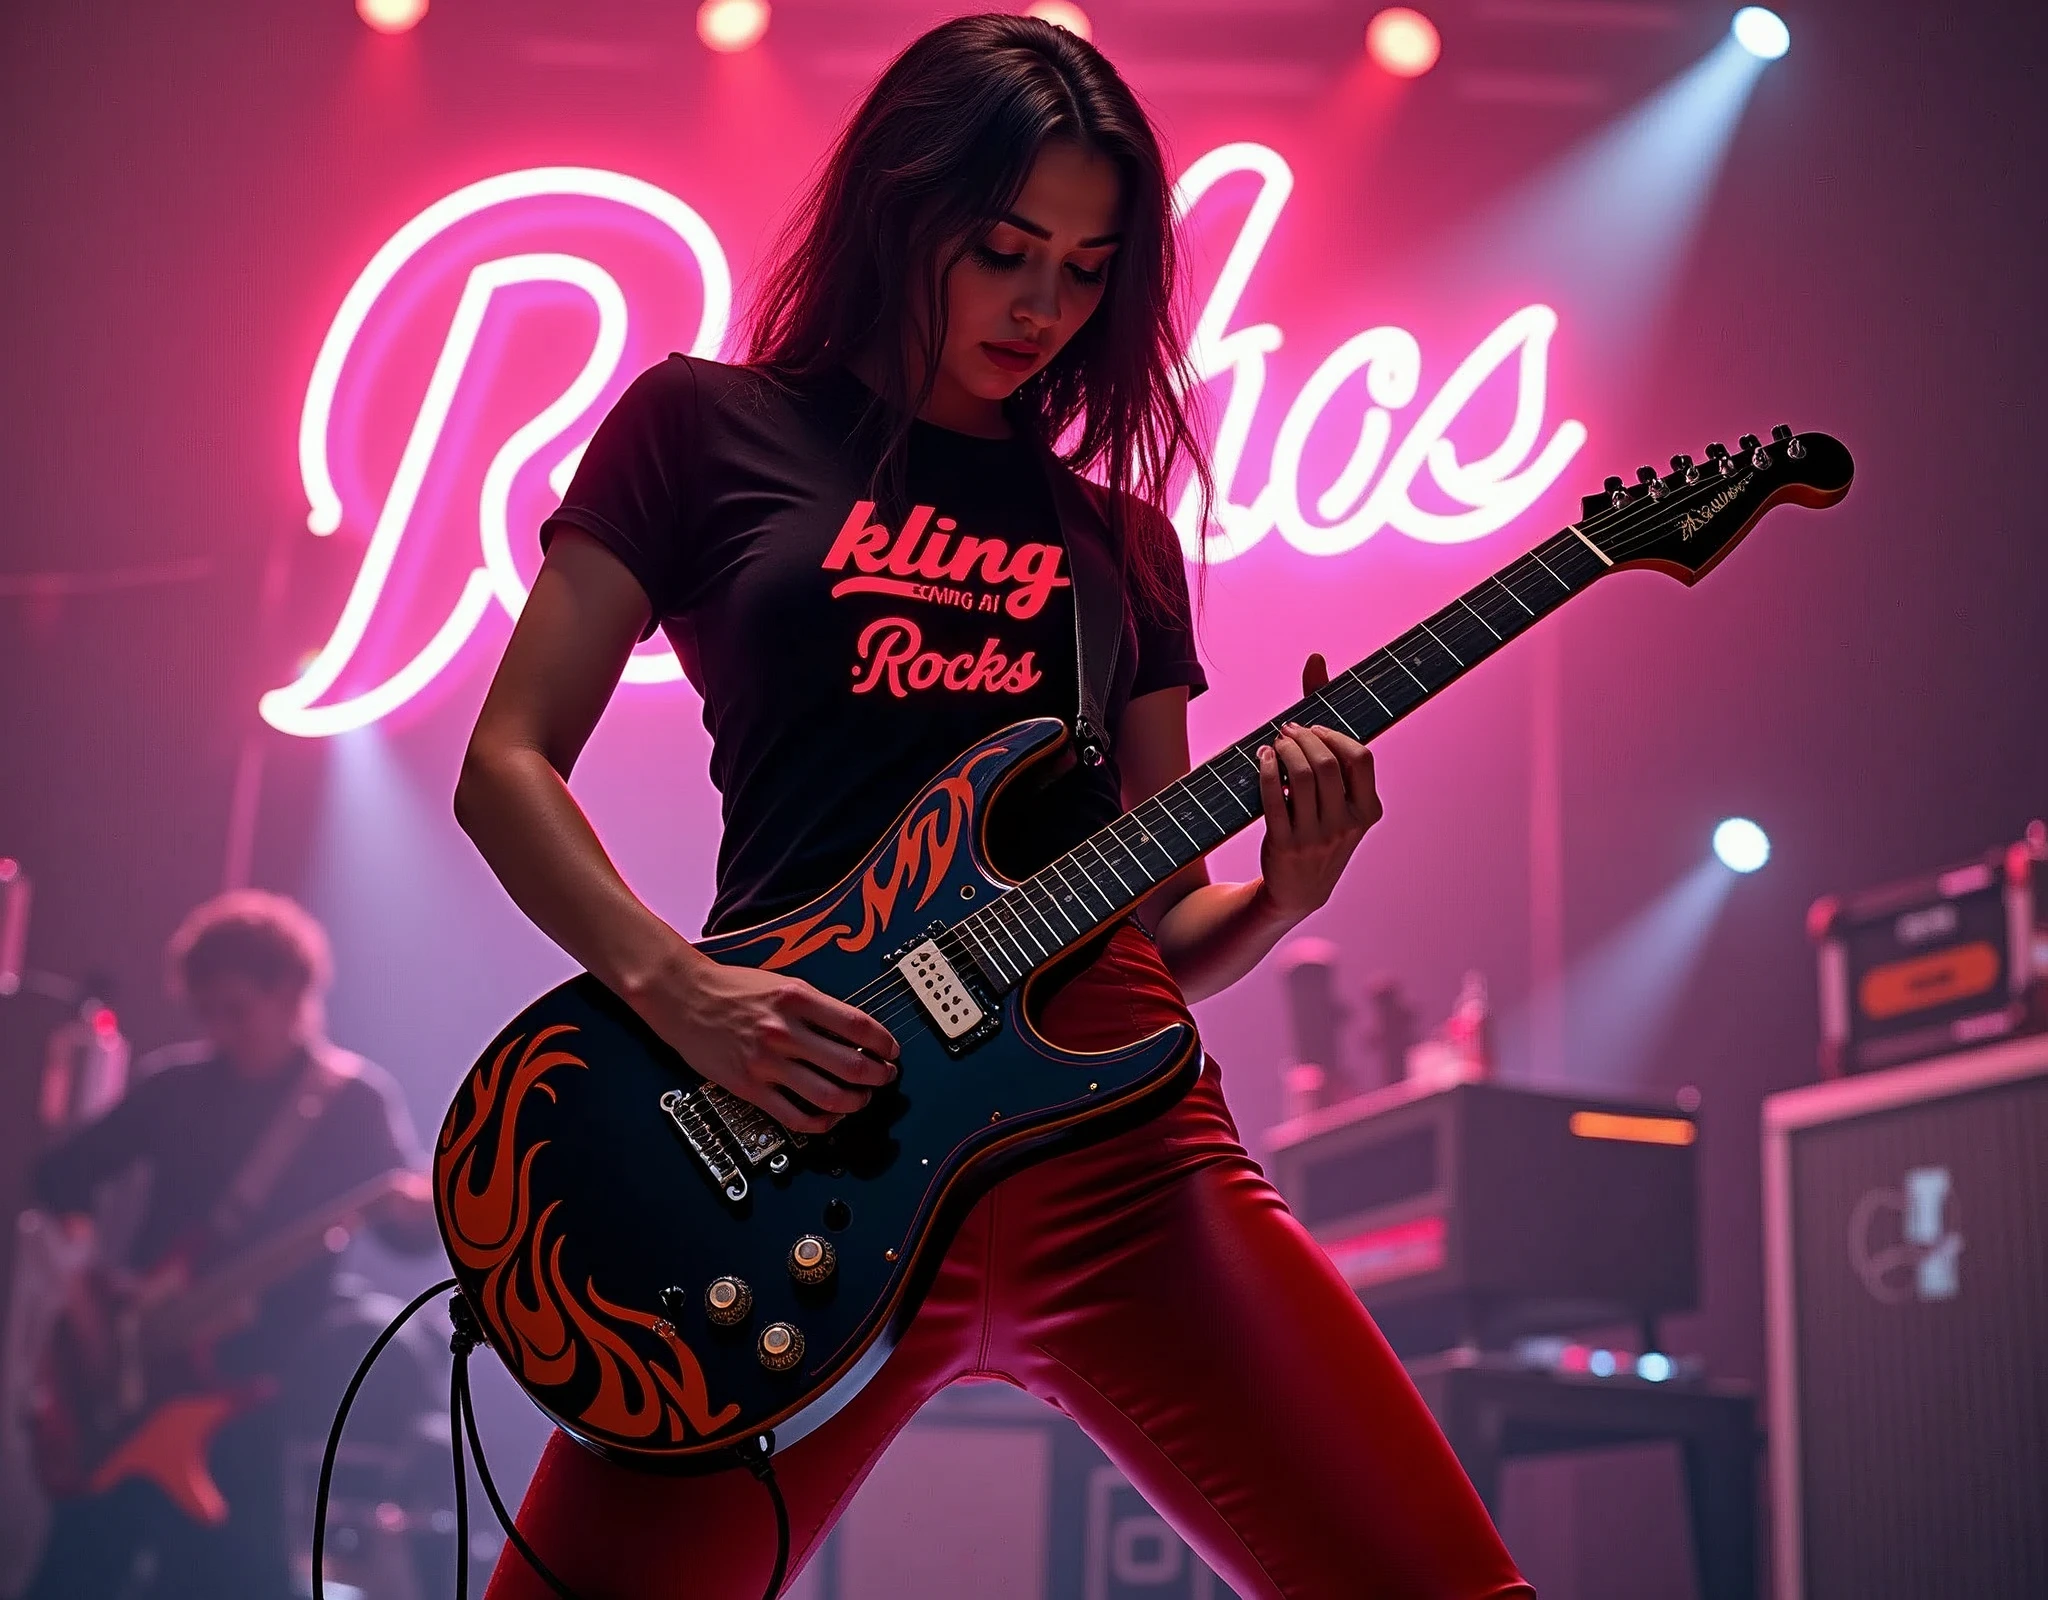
<point>852,546</point>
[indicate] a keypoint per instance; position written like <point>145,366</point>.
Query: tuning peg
<point>1615,483</point>
<point>1794,448</point>
<point>1683,466</point>
<point>1617,496</point>
<point>1748,441</point>
<point>1647,476</point>
<point>1781,433</point>
<point>1718,454</point>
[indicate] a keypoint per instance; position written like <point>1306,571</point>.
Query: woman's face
<point>1026,286</point>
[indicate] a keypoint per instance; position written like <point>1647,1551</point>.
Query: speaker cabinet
<point>1906,1259</point>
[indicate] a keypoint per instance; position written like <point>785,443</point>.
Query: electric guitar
<point>669,1273</point>
<point>126,1388</point>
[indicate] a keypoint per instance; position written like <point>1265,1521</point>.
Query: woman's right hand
<point>768,1036</point>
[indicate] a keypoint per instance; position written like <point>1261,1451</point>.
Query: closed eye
<point>999,261</point>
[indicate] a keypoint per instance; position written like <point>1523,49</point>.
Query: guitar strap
<point>325,1071</point>
<point>1096,562</point>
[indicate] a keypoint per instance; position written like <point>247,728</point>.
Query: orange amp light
<point>1636,1130</point>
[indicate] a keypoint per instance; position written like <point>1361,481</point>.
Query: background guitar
<point>125,1388</point>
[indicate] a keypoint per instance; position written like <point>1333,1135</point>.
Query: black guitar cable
<point>755,1455</point>
<point>457,1372</point>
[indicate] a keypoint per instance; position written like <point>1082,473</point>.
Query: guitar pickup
<point>693,1122</point>
<point>940,990</point>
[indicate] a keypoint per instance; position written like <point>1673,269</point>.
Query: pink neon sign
<point>467,247</point>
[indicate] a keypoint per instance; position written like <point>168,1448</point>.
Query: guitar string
<point>891,991</point>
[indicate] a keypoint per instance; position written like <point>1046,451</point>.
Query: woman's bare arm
<point>565,656</point>
<point>762,1035</point>
<point>1209,934</point>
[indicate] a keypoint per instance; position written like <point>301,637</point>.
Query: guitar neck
<point>275,1256</point>
<point>1114,868</point>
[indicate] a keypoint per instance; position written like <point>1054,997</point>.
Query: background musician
<point>257,1122</point>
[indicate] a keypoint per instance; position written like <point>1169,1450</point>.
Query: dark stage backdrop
<point>190,192</point>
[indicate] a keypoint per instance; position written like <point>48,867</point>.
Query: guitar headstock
<point>1684,521</point>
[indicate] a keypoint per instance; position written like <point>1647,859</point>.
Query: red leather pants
<point>1154,1288</point>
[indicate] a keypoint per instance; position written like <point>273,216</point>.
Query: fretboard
<point>1027,925</point>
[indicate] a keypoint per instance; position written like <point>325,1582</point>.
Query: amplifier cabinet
<point>1935,964</point>
<point>992,1495</point>
<point>1906,1265</point>
<point>1480,1212</point>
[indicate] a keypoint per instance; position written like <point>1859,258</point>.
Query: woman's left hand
<point>1315,822</point>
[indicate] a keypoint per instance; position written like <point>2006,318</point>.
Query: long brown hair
<point>938,152</point>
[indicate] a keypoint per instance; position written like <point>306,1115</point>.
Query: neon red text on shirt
<point>892,652</point>
<point>888,566</point>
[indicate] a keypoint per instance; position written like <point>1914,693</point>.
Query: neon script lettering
<point>1373,489</point>
<point>888,562</point>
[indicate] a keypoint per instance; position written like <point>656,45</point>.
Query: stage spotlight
<point>1403,42</point>
<point>732,25</point>
<point>1762,33</point>
<point>1062,14</point>
<point>391,16</point>
<point>1741,845</point>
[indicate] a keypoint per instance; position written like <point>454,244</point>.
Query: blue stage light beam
<point>429,961</point>
<point>1604,231</point>
<point>1619,996</point>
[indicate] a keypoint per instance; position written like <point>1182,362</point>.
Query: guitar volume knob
<point>812,1259</point>
<point>780,1347</point>
<point>727,1301</point>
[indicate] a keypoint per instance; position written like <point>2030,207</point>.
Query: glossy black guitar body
<point>587,1228</point>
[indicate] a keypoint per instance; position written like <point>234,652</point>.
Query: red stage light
<point>1063,14</point>
<point>732,25</point>
<point>1403,42</point>
<point>391,16</point>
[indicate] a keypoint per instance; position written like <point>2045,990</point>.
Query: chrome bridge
<point>729,1136</point>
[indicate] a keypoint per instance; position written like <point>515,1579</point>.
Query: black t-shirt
<point>846,651</point>
<point>193,1121</point>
